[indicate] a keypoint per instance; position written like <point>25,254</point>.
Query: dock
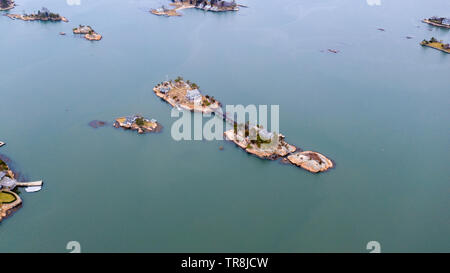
<point>29,184</point>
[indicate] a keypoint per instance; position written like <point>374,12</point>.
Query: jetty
<point>30,184</point>
<point>10,200</point>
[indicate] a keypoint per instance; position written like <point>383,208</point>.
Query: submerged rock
<point>97,123</point>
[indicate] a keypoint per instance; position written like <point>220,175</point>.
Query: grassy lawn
<point>6,197</point>
<point>438,46</point>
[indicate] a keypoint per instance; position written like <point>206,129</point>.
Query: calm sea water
<point>379,109</point>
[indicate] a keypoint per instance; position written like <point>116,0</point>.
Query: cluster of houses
<point>440,20</point>
<point>130,120</point>
<point>9,184</point>
<point>213,5</point>
<point>6,182</point>
<point>6,4</point>
<point>194,96</point>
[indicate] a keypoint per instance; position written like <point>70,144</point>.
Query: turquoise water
<point>379,109</point>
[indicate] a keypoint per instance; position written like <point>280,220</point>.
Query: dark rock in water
<point>97,123</point>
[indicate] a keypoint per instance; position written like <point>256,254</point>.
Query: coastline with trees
<point>7,5</point>
<point>206,5</point>
<point>42,15</point>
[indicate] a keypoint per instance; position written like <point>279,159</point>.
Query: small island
<point>7,4</point>
<point>138,123</point>
<point>438,22</point>
<point>42,15</point>
<point>258,141</point>
<point>311,161</point>
<point>186,96</point>
<point>253,139</point>
<point>9,195</point>
<point>439,45</point>
<point>207,5</point>
<point>89,33</point>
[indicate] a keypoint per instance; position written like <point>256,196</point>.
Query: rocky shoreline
<point>88,31</point>
<point>311,161</point>
<point>138,123</point>
<point>9,201</point>
<point>44,16</point>
<point>206,5</point>
<point>276,147</point>
<point>186,96</point>
<point>253,139</point>
<point>439,45</point>
<point>436,24</point>
<point>270,147</point>
<point>6,5</point>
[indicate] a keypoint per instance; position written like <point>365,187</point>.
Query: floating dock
<point>29,184</point>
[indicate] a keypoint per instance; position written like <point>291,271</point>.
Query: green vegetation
<point>6,197</point>
<point>436,44</point>
<point>260,141</point>
<point>433,40</point>
<point>140,121</point>
<point>3,166</point>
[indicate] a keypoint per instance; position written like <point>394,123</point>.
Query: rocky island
<point>311,161</point>
<point>186,95</point>
<point>269,145</point>
<point>7,4</point>
<point>434,43</point>
<point>138,123</point>
<point>42,15</point>
<point>207,5</point>
<point>258,141</point>
<point>89,33</point>
<point>438,22</point>
<point>253,139</point>
<point>9,195</point>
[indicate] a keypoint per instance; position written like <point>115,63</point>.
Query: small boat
<point>62,33</point>
<point>2,143</point>
<point>33,189</point>
<point>333,50</point>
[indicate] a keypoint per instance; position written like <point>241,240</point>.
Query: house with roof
<point>194,95</point>
<point>8,183</point>
<point>265,135</point>
<point>164,89</point>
